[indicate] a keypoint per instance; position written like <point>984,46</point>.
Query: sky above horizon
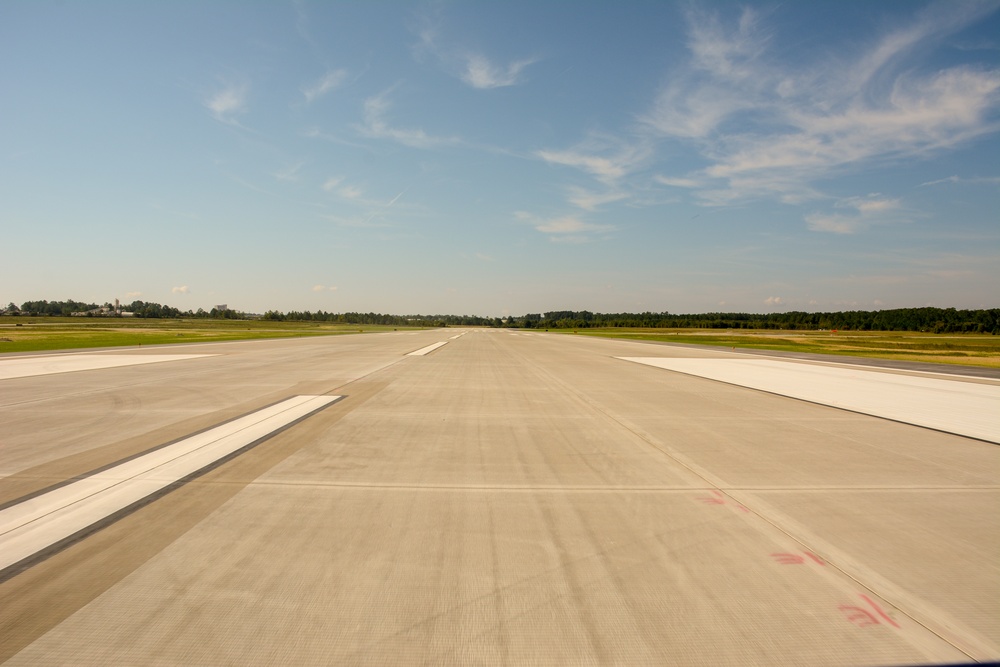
<point>501,158</point>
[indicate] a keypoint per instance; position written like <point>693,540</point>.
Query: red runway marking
<point>858,616</point>
<point>816,558</point>
<point>862,617</point>
<point>879,610</point>
<point>721,499</point>
<point>788,559</point>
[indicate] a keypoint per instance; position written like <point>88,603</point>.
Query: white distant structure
<point>105,311</point>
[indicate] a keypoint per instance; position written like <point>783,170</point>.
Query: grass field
<point>34,334</point>
<point>962,349</point>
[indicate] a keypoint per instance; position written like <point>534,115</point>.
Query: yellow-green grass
<point>961,349</point>
<point>33,334</point>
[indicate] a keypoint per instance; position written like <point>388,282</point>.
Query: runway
<point>493,497</point>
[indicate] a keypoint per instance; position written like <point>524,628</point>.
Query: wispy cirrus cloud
<point>871,210</point>
<point>375,126</point>
<point>480,73</point>
<point>565,229</point>
<point>679,182</point>
<point>591,201</point>
<point>601,167</point>
<point>226,104</point>
<point>365,211</point>
<point>290,172</point>
<point>978,180</point>
<point>768,128</point>
<point>471,67</point>
<point>326,83</point>
<point>351,192</point>
<point>606,160</point>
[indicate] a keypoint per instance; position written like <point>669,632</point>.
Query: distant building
<point>103,311</point>
<point>222,306</point>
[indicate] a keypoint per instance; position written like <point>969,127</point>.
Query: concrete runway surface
<point>501,498</point>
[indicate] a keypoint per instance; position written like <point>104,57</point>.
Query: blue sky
<point>501,158</point>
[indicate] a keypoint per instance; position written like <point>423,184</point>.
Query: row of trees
<point>380,318</point>
<point>136,308</point>
<point>936,320</point>
<point>54,308</point>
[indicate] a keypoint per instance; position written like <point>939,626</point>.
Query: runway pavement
<point>492,498</point>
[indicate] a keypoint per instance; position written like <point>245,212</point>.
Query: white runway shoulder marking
<point>40,522</point>
<point>427,350</point>
<point>68,363</point>
<point>964,408</point>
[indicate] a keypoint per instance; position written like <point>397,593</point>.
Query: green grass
<point>962,349</point>
<point>35,334</point>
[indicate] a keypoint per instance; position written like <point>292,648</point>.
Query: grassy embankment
<point>961,349</point>
<point>34,334</point>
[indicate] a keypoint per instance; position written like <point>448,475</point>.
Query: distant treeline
<point>935,320</point>
<point>136,308</point>
<point>377,318</point>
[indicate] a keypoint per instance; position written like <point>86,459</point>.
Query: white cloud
<point>331,183</point>
<point>132,295</point>
<point>800,122</point>
<point>995,180</point>
<point>590,201</point>
<point>728,54</point>
<point>324,288</point>
<point>774,301</point>
<point>376,127</point>
<point>484,257</point>
<point>567,225</point>
<point>679,182</point>
<point>834,223</point>
<point>566,229</point>
<point>329,81</point>
<point>364,221</point>
<point>228,102</point>
<point>479,72</point>
<point>871,204</point>
<point>472,68</point>
<point>870,210</point>
<point>289,173</point>
<point>351,192</point>
<point>183,289</point>
<point>606,159</point>
<point>598,166</point>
